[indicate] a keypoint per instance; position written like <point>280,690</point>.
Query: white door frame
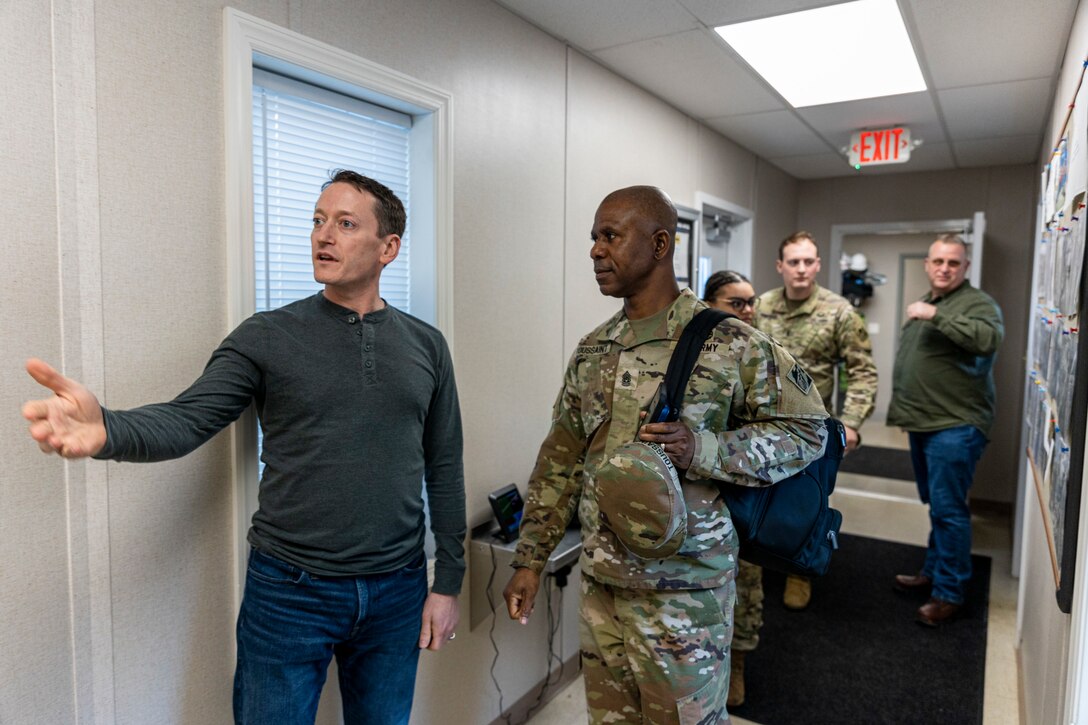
<point>972,230</point>
<point>740,244</point>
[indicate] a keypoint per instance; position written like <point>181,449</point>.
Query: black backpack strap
<point>686,353</point>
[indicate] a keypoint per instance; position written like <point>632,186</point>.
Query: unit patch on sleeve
<point>800,378</point>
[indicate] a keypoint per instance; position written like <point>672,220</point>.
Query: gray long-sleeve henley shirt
<point>357,412</point>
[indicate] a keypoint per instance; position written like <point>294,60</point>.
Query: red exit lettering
<point>879,146</point>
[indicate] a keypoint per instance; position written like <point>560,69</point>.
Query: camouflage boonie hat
<point>639,496</point>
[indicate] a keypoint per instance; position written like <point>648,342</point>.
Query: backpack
<point>788,526</point>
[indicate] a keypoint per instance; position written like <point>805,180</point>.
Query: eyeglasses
<point>739,303</point>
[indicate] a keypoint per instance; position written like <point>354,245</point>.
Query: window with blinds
<point>300,133</point>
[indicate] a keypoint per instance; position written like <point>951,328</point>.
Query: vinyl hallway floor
<point>889,510</point>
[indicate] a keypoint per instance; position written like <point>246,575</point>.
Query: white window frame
<point>245,37</point>
<point>285,111</point>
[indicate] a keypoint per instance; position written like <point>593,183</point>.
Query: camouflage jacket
<point>755,415</point>
<point>822,331</point>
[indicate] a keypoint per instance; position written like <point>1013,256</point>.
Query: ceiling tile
<point>998,151</point>
<point>694,72</point>
<point>992,63</point>
<point>604,23</point>
<point>771,135</point>
<point>715,12</point>
<point>815,166</point>
<point>837,121</point>
<point>927,157</point>
<point>971,42</point>
<point>1018,108</point>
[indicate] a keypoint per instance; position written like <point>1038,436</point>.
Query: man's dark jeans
<point>944,468</point>
<point>292,623</point>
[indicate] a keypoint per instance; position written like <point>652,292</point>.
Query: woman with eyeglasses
<point>731,292</point>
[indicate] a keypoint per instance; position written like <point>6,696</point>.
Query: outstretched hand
<point>70,422</point>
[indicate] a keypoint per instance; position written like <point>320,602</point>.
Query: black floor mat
<point>877,461</point>
<point>856,655</point>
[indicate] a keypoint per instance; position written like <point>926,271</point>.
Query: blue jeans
<point>944,468</point>
<point>292,623</point>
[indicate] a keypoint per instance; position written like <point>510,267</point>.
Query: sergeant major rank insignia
<point>800,378</point>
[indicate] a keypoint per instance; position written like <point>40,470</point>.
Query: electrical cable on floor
<point>491,635</point>
<point>553,628</point>
<point>554,622</point>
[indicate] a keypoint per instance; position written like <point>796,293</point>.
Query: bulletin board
<point>1056,405</point>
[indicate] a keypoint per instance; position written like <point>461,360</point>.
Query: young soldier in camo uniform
<point>655,632</point>
<point>820,328</point>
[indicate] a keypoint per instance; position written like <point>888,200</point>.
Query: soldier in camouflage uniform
<point>821,329</point>
<point>732,292</point>
<point>655,633</point>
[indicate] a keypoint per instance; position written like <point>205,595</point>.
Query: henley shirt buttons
<point>369,363</point>
<point>352,320</point>
<point>368,347</point>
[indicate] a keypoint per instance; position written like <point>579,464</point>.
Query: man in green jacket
<point>943,396</point>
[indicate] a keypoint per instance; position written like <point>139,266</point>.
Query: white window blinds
<point>300,133</point>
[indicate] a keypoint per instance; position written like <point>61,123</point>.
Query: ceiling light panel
<point>832,54</point>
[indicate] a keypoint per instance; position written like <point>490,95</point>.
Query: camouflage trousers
<point>658,657</point>
<point>748,615</point>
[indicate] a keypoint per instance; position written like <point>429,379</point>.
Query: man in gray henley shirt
<point>358,406</point>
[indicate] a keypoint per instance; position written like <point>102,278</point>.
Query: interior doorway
<point>723,239</point>
<point>898,258</point>
<point>913,282</point>
<point>896,250</point>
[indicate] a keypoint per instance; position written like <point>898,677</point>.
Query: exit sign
<point>880,146</point>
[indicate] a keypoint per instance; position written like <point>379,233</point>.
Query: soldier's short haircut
<point>653,202</point>
<point>794,239</point>
<point>720,279</point>
<point>387,207</point>
<point>952,238</point>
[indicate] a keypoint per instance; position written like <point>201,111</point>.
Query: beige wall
<point>1045,645</point>
<point>643,142</point>
<point>1007,195</point>
<point>117,592</point>
<point>776,198</point>
<point>1051,655</point>
<point>35,640</point>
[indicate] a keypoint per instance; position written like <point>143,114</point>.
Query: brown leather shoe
<point>936,612</point>
<point>912,582</point>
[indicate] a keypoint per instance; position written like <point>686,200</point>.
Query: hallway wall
<point>118,594</point>
<point>1054,674</point>
<point>1007,195</point>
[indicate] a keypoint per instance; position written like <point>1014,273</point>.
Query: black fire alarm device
<point>507,505</point>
